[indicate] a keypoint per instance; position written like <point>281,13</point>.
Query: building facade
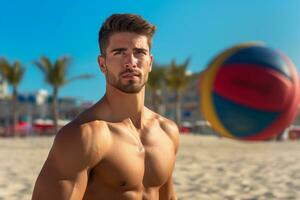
<point>38,106</point>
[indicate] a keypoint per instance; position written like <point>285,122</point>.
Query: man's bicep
<point>53,187</point>
<point>64,174</point>
<point>59,182</point>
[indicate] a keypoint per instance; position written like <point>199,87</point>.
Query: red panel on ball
<point>254,86</point>
<point>289,114</point>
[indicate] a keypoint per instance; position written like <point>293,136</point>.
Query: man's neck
<point>127,107</point>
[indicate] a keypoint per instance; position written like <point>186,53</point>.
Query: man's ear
<point>101,62</point>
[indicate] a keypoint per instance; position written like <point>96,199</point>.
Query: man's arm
<point>64,174</point>
<point>167,191</point>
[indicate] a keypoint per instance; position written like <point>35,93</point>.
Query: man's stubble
<point>131,87</point>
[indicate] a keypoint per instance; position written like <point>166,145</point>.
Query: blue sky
<point>199,29</point>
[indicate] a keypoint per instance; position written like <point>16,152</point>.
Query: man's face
<point>127,61</point>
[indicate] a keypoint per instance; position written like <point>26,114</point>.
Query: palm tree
<point>177,80</point>
<point>155,81</point>
<point>56,76</point>
<point>13,75</point>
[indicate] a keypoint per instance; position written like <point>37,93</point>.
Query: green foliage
<point>13,74</point>
<point>56,74</point>
<point>156,77</point>
<point>177,77</point>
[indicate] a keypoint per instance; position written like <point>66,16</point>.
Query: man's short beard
<point>131,87</point>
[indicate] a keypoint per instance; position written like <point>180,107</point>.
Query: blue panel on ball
<point>239,120</point>
<point>262,56</point>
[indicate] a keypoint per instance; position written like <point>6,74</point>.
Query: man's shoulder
<point>169,127</point>
<point>82,139</point>
<point>84,130</point>
<point>166,124</point>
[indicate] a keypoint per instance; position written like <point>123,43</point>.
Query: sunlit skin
<point>117,149</point>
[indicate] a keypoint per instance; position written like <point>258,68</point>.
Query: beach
<point>207,168</point>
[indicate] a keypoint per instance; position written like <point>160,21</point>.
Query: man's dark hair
<point>124,23</point>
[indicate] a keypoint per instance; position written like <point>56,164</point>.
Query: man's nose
<point>131,61</point>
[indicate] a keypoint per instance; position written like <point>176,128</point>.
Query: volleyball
<point>250,92</point>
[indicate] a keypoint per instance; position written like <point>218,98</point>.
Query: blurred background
<point>41,39</point>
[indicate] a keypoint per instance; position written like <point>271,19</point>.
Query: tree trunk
<point>55,109</point>
<point>177,108</point>
<point>15,110</point>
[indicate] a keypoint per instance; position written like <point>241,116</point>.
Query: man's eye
<point>141,52</point>
<point>117,52</point>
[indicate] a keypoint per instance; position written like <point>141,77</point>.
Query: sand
<point>207,168</point>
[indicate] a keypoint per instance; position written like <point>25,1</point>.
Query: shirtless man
<point>118,149</point>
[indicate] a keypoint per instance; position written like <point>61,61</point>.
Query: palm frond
<point>59,72</point>
<point>18,72</point>
<point>44,65</point>
<point>62,64</point>
<point>13,74</point>
<point>156,77</point>
<point>4,67</point>
<point>176,76</point>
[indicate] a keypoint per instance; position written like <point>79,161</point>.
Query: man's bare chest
<point>135,162</point>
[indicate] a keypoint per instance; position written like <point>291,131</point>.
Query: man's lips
<point>130,74</point>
